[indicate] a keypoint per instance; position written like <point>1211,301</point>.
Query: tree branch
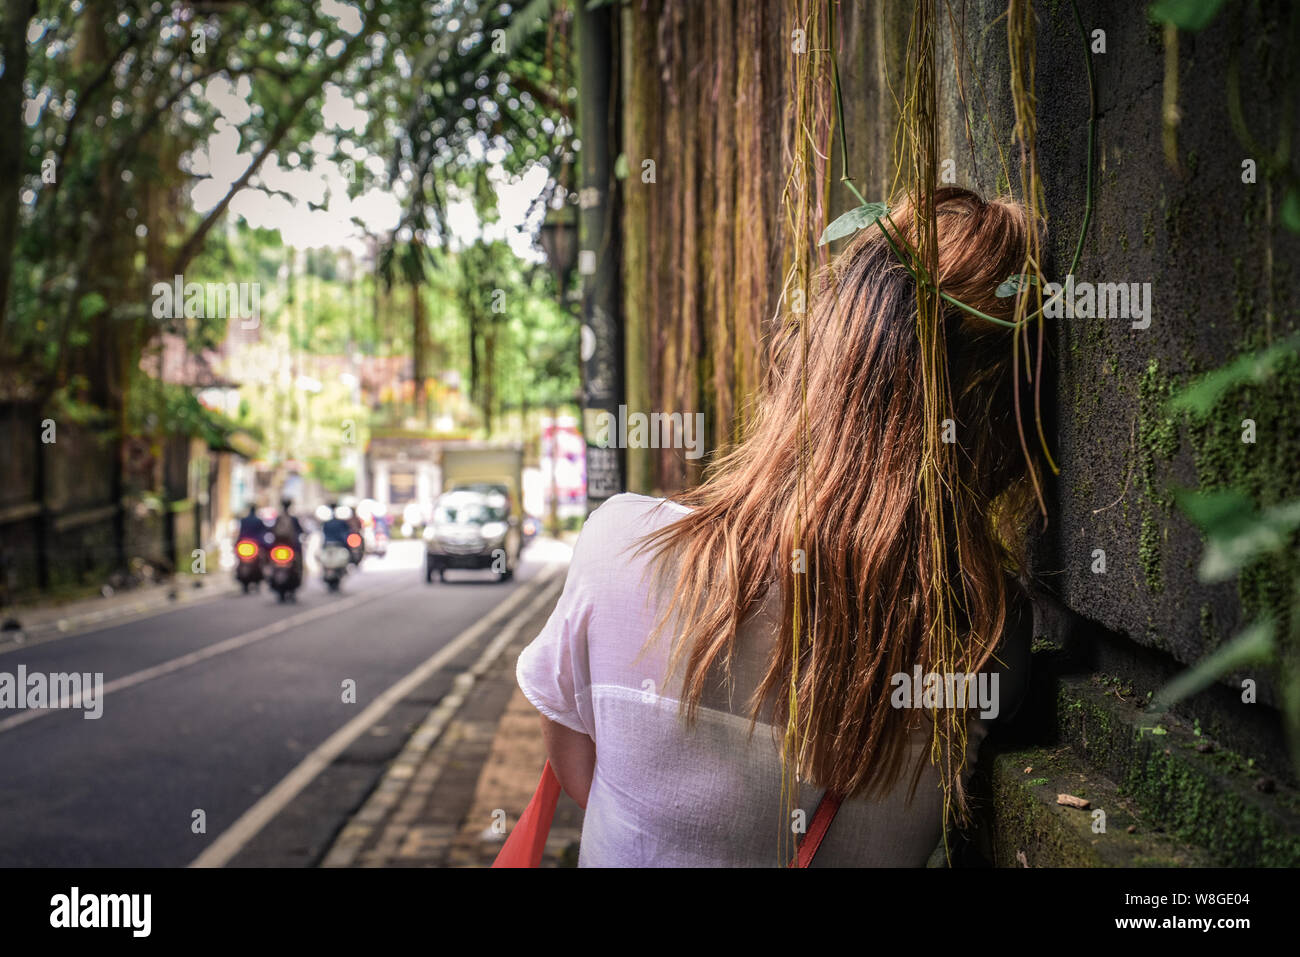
<point>191,246</point>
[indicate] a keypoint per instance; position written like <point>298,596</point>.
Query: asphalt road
<point>211,705</point>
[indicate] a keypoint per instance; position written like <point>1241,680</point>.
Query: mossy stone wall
<point>1222,270</point>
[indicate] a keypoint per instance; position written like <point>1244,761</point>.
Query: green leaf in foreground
<point>1290,213</point>
<point>1251,646</point>
<point>1186,14</point>
<point>855,219</point>
<point>91,305</point>
<point>1011,285</point>
<point>1236,534</point>
<point>1201,395</point>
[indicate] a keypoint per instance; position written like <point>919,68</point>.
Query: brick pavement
<point>465,774</point>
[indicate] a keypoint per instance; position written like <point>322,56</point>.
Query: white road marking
<point>235,837</point>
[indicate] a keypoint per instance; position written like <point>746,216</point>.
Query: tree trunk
<point>489,373</point>
<point>13,47</point>
<point>417,352</point>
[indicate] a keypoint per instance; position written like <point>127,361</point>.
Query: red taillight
<point>354,540</point>
<point>282,554</point>
<point>246,549</point>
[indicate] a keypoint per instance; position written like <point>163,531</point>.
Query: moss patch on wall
<point>1157,443</point>
<point>1267,469</point>
<point>1029,828</point>
<point>1182,782</point>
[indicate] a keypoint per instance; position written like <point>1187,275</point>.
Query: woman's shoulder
<point>613,531</point>
<point>639,502</point>
<point>631,512</point>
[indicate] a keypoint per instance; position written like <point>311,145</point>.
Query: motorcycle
<point>286,575</point>
<point>334,559</point>
<point>249,571</point>
<point>375,539</point>
<point>356,548</point>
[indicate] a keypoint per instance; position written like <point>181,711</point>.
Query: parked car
<point>472,530</point>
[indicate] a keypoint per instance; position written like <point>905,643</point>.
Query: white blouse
<point>664,795</point>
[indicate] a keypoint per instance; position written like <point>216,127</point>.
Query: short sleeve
<point>554,671</point>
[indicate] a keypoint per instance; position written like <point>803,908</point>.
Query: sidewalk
<point>466,774</point>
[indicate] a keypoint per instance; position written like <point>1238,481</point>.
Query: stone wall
<point>1169,208</point>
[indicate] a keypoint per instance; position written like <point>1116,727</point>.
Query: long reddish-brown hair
<point>852,401</point>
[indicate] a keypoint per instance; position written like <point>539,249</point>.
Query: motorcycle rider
<point>252,527</point>
<point>251,569</point>
<point>334,532</point>
<point>335,529</point>
<point>288,531</point>
<point>353,520</point>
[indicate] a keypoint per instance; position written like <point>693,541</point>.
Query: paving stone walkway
<point>466,774</point>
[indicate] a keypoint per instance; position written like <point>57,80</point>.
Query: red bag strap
<point>821,823</point>
<point>527,840</point>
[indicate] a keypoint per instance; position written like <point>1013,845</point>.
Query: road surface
<point>211,705</point>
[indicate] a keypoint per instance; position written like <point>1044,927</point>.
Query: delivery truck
<point>477,521</point>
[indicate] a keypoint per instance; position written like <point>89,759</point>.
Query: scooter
<point>249,572</point>
<point>286,574</point>
<point>334,559</point>
<point>375,540</point>
<point>356,548</point>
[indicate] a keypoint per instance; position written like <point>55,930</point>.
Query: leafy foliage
<point>117,120</point>
<point>333,477</point>
<point>185,415</point>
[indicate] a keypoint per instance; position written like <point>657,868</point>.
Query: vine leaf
<point>1201,395</point>
<point>1252,646</point>
<point>1236,534</point>
<point>1291,210</point>
<point>1186,14</point>
<point>1012,284</point>
<point>855,219</point>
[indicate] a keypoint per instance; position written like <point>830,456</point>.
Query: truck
<point>478,519</point>
<point>480,467</point>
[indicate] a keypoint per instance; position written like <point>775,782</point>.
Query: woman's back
<point>664,794</point>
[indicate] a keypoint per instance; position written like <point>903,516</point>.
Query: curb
<point>434,734</point>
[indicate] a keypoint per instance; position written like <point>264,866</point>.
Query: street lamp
<point>559,239</point>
